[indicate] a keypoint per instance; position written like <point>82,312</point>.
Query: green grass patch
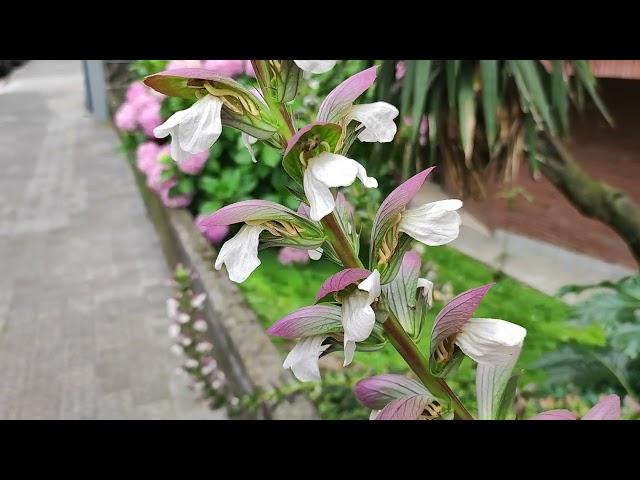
<point>274,290</point>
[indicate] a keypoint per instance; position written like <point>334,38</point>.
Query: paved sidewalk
<point>83,332</point>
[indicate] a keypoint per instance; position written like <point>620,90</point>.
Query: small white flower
<point>303,358</point>
<point>315,254</point>
<point>489,340</point>
<point>358,318</point>
<point>186,341</point>
<point>216,384</point>
<point>329,170</point>
<point>200,326</point>
<point>316,66</point>
<point>207,369</point>
<point>248,142</point>
<point>191,363</point>
<point>198,300</point>
<point>193,130</point>
<point>427,290</point>
<point>376,121</point>
<point>240,253</point>
<point>183,318</point>
<point>434,223</point>
<point>174,330</point>
<point>177,350</point>
<point>203,347</point>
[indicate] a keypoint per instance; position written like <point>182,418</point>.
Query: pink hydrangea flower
<point>174,64</point>
<point>146,156</point>
<point>149,118</point>
<point>126,117</point>
<point>289,255</point>
<point>226,68</point>
<point>155,170</point>
<point>180,201</point>
<point>213,233</point>
<point>194,164</point>
<point>248,69</point>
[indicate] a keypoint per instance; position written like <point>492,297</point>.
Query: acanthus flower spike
<point>358,317</point>
<point>606,409</point>
<point>219,101</point>
<point>395,397</point>
<point>318,329</point>
<point>284,226</point>
<point>435,223</point>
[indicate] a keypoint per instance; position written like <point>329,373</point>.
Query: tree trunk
<point>593,198</point>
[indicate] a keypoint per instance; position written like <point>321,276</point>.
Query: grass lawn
<point>274,290</point>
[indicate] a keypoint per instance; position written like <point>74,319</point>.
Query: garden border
<point>247,354</point>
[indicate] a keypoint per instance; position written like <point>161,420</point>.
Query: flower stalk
<point>397,336</point>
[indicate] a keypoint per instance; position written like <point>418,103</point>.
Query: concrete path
<point>83,331</point>
<point>539,264</point>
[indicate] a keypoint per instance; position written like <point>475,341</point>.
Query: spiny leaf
<point>586,78</point>
<point>559,98</point>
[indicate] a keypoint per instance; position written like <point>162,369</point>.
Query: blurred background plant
<point>485,117</point>
<point>614,366</point>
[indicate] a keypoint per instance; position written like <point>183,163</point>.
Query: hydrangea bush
<point>367,304</point>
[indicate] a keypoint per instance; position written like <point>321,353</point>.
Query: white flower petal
<point>303,358</point>
<point>321,201</point>
<point>315,254</point>
<point>358,318</point>
<point>193,130</point>
<point>491,380</point>
<point>202,127</point>
<point>333,170</point>
<point>433,224</point>
<point>371,284</point>
<point>198,300</point>
<point>315,66</point>
<point>240,253</point>
<point>488,340</point>
<point>349,350</point>
<point>377,119</point>
<point>374,414</point>
<point>427,286</point>
<point>248,141</point>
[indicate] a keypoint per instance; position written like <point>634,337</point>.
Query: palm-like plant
<point>489,115</point>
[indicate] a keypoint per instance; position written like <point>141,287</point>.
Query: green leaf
<point>534,91</point>
<point>489,78</point>
<point>209,207</point>
<point>407,87</point>
<point>452,68</point>
<point>185,186</point>
<point>420,89</point>
<point>209,184</point>
<point>466,112</point>
<point>559,94</point>
<point>270,156</point>
<point>586,78</point>
<point>166,175</point>
<point>433,116</point>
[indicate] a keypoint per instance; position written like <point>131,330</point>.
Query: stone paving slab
<point>84,283</point>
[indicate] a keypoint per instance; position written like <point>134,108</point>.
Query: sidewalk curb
<point>247,354</point>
